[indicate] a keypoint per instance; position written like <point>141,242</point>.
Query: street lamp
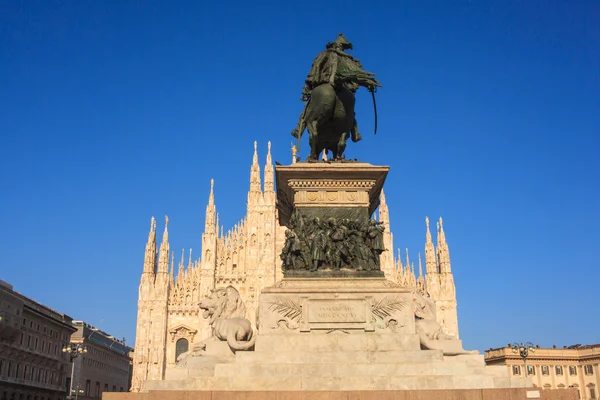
<point>74,350</point>
<point>523,349</point>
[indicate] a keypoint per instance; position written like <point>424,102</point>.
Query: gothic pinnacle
<point>430,259</point>
<point>211,196</point>
<point>150,254</point>
<point>255,185</point>
<point>163,261</point>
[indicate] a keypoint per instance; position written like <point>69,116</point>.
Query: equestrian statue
<point>328,93</point>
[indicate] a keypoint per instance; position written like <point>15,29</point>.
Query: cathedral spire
<point>217,225</point>
<point>180,270</point>
<point>384,215</point>
<point>430,263</point>
<point>411,271</point>
<point>209,225</point>
<point>443,252</point>
<point>189,268</point>
<point>400,268</point>
<point>150,254</point>
<point>163,261</point>
<point>269,174</point>
<point>421,284</point>
<point>255,172</point>
<point>172,269</point>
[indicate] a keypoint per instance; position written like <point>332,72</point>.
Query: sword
<point>374,109</point>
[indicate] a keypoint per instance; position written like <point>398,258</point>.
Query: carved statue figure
<point>329,92</point>
<point>291,254</point>
<point>430,332</point>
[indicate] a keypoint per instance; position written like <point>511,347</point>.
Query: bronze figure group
<point>312,244</point>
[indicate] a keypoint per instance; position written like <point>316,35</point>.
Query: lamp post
<point>523,349</point>
<point>74,350</point>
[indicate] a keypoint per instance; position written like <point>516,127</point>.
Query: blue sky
<point>489,115</point>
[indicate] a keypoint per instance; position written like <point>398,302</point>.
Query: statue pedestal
<point>328,207</point>
<point>339,190</point>
<point>310,305</point>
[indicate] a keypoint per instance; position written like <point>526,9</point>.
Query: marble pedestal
<point>335,334</point>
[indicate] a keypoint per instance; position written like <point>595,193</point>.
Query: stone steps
<point>336,341</point>
<point>295,357</point>
<point>408,382</point>
<point>339,369</point>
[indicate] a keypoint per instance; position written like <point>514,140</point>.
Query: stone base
<point>335,334</point>
<point>465,394</point>
<point>297,305</point>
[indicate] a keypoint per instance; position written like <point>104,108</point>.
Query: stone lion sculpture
<point>431,334</point>
<point>226,311</point>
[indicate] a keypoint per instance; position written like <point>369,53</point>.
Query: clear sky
<point>115,111</point>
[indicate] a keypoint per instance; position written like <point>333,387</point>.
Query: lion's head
<point>424,307</point>
<point>223,303</point>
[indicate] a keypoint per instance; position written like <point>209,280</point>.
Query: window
<point>592,393</point>
<point>38,327</point>
<point>1,366</point>
<point>105,387</point>
<point>181,347</point>
<point>558,370</point>
<point>36,343</point>
<point>589,369</point>
<point>545,370</point>
<point>33,373</point>
<point>25,372</point>
<point>516,370</point>
<point>21,341</point>
<point>24,321</point>
<point>97,390</point>
<point>530,370</point>
<point>28,341</point>
<point>17,371</point>
<point>121,389</point>
<point>572,370</point>
<point>114,388</point>
<point>9,367</point>
<point>88,385</point>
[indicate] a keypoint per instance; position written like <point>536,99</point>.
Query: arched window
<point>181,347</point>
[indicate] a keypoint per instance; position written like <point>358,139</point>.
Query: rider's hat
<point>341,40</point>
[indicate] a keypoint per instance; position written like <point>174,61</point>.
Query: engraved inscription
<point>337,311</point>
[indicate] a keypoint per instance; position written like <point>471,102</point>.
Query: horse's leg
<point>341,146</point>
<point>313,140</point>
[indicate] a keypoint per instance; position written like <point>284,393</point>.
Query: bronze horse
<point>330,119</point>
<point>329,94</point>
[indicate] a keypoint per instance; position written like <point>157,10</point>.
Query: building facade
<point>247,258</point>
<point>32,364</point>
<point>556,368</point>
<point>106,367</point>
